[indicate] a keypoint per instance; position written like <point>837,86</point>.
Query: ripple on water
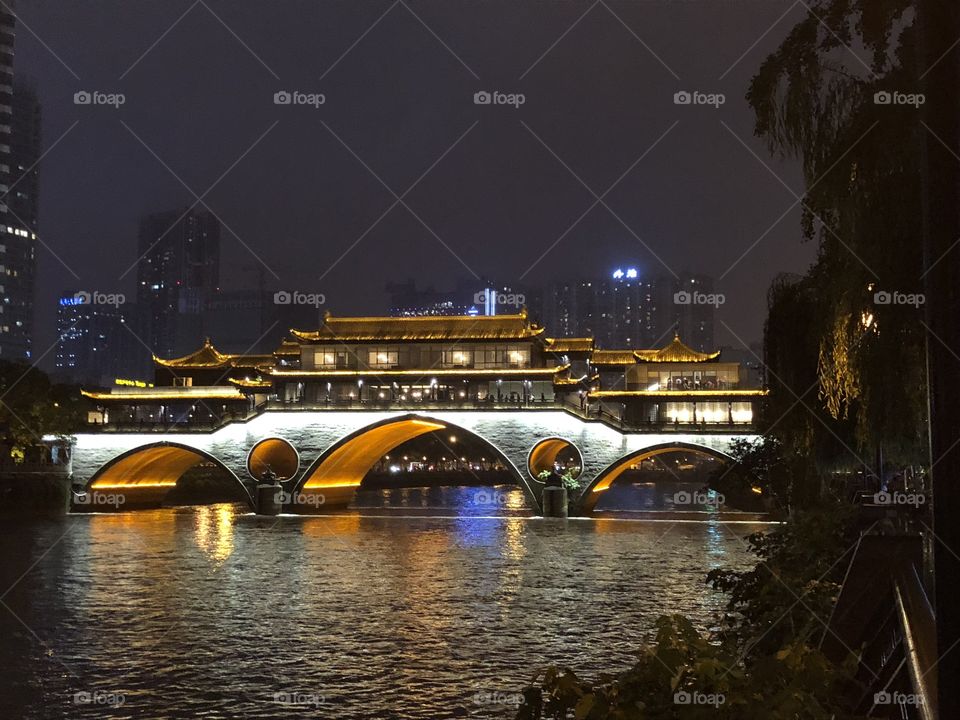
<point>189,612</point>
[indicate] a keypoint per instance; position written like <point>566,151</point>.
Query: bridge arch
<point>605,478</point>
<point>148,472</point>
<point>273,455</point>
<point>544,453</point>
<point>338,471</point>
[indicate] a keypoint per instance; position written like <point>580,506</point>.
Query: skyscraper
<point>574,308</point>
<point>630,311</point>
<point>24,197</point>
<point>93,347</point>
<point>177,275</point>
<point>627,310</point>
<point>690,309</point>
<point>19,150</point>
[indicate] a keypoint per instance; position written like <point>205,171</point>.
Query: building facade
<point>177,275</point>
<point>94,346</point>
<point>626,309</point>
<point>19,151</point>
<point>503,361</point>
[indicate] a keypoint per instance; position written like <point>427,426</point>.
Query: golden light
<point>347,465</point>
<point>160,466</point>
<point>274,455</point>
<point>621,467</point>
<point>544,454</point>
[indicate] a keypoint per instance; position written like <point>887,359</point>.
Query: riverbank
<point>33,494</point>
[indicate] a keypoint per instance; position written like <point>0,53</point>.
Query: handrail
<point>591,414</point>
<point>917,621</point>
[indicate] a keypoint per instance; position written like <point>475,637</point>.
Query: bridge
<point>328,404</point>
<point>323,455</point>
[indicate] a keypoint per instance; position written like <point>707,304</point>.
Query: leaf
<point>584,706</point>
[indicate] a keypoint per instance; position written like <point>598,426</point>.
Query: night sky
<point>502,185</point>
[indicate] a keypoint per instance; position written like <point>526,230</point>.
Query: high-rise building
<point>24,197</point>
<point>630,308</point>
<point>177,275</point>
<point>94,347</point>
<point>19,149</point>
<point>627,310</point>
<point>689,307</point>
<point>574,308</point>
<point>469,297</point>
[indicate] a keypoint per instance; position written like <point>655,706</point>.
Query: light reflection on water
<point>207,611</point>
<point>649,496</point>
<point>497,500</point>
<point>214,530</point>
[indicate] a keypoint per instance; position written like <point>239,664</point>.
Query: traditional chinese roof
<point>676,351</point>
<point>132,396</point>
<point>570,381</point>
<point>421,374</point>
<point>435,328</point>
<point>209,358</point>
<point>247,383</point>
<point>613,357</point>
<point>287,348</point>
<point>569,345</point>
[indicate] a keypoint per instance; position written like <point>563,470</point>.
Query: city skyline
<point>297,197</point>
<point>103,337</point>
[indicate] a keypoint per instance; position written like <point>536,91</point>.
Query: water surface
<point>208,612</point>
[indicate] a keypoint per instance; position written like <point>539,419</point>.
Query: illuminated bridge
<point>336,449</point>
<point>322,410</point>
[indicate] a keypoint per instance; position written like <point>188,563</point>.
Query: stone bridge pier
<point>334,449</point>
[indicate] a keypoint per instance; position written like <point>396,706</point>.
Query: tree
<point>849,121</point>
<point>31,406</point>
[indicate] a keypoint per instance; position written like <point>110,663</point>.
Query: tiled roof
<point>428,328</point>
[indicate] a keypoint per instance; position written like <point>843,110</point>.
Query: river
<point>415,604</point>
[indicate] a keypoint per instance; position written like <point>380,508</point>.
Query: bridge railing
<point>179,425</point>
<point>589,413</point>
<point>427,404</point>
